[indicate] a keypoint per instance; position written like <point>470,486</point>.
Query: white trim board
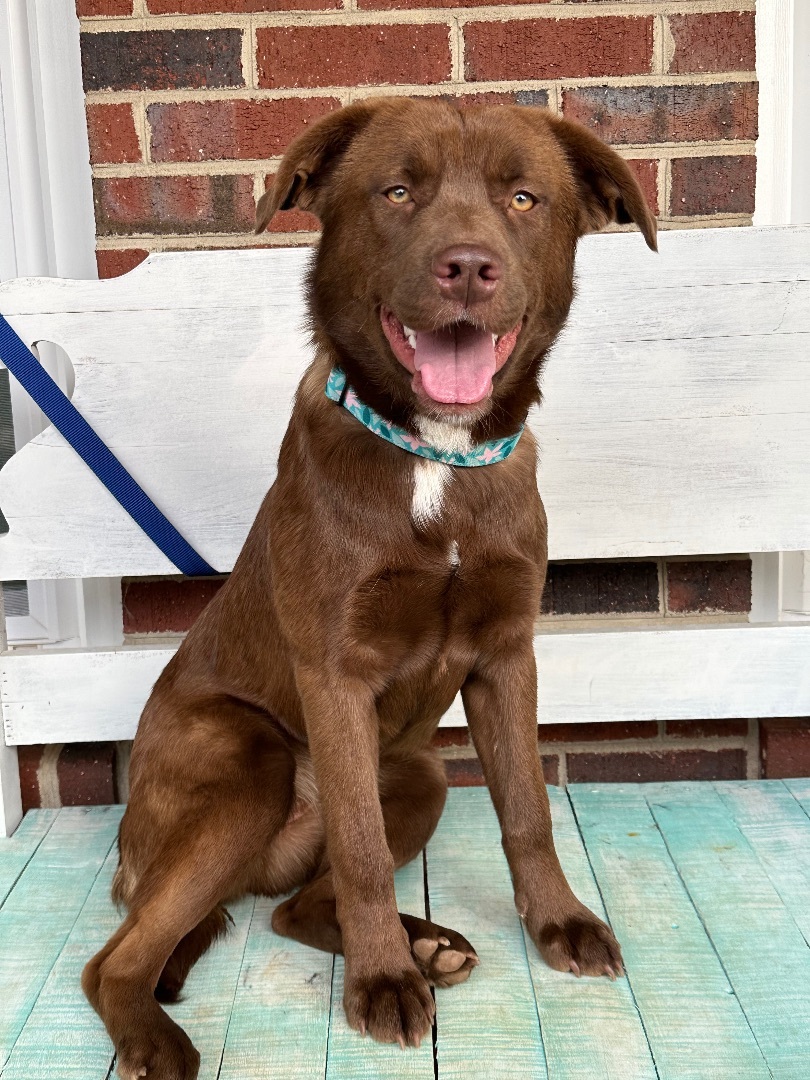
<point>647,674</point>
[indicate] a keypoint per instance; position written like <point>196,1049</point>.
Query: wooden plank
<point>16,851</point>
<point>676,414</point>
<point>735,670</point>
<point>583,1021</point>
<point>761,948</point>
<point>800,790</point>
<point>349,1056</point>
<point>205,1009</point>
<point>487,1026</point>
<point>280,1020</point>
<point>778,831</point>
<point>62,1035</point>
<point>41,910</point>
<point>694,1023</point>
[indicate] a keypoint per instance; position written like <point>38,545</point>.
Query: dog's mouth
<point>453,365</point>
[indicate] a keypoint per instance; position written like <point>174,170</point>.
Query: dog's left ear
<point>608,191</point>
<point>305,167</point>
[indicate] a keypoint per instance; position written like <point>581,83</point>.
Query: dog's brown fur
<point>287,745</point>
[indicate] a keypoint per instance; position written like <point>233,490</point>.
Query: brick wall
<point>190,103</point>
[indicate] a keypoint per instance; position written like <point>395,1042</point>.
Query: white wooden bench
<point>676,422</point>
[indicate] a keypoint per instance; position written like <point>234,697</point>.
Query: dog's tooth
<point>494,339</point>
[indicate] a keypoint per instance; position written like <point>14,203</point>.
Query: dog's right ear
<point>309,161</point>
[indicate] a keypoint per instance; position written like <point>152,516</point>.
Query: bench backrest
<point>676,417</point>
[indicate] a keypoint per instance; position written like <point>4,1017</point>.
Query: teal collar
<point>486,453</point>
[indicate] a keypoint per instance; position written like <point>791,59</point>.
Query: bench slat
<point>768,968</point>
<point>579,1018</point>
<point>469,889</point>
<point>62,1036</point>
<point>710,672</point>
<point>690,1016</point>
<point>48,896</point>
<point>280,1019</point>
<point>371,1060</point>
<point>778,830</point>
<point>676,417</point>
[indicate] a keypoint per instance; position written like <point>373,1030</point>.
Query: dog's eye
<point>398,195</point>
<point>522,200</point>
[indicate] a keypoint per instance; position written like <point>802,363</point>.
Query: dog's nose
<point>467,274</point>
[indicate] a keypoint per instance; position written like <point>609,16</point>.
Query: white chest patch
<point>431,477</point>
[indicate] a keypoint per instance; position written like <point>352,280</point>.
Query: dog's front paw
<point>578,942</point>
<point>390,1007</point>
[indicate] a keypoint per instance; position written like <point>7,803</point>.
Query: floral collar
<point>486,453</point>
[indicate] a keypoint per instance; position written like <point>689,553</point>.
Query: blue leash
<point>67,419</point>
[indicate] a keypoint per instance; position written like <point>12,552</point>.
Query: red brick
<point>713,185</point>
<point>114,263</point>
<point>464,772</point>
<point>722,41</point>
<point>707,729</point>
<point>600,588</point>
<point>228,7</point>
<point>113,138</point>
<point>86,773</point>
<point>352,55</point>
<point>173,204</point>
<point>467,772</point>
<point>451,736</point>
<point>657,765</point>
<point>658,114</point>
<point>162,59</point>
<point>293,220</point>
<point>590,732</point>
<point>89,9</point>
<point>28,758</point>
<point>165,606</point>
<point>227,130</point>
<point>785,748</point>
<point>646,172</point>
<point>709,585</point>
<point>558,48</point>
<point>498,97</point>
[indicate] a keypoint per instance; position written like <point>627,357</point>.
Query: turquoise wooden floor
<point>706,885</point>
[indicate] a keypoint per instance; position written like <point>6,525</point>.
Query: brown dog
<point>287,745</point>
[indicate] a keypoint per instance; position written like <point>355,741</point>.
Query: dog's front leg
<point>500,699</point>
<point>385,993</point>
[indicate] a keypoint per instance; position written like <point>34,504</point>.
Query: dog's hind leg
<point>204,857</point>
<point>188,951</point>
<point>412,794</point>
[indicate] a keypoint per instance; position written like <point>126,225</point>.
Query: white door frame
<point>48,225</point>
<point>781,580</point>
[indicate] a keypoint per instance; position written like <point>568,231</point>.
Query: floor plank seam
<point>607,913</point>
<point>706,932</point>
<point>236,988</point>
<point>526,946</point>
<point>434,1033</point>
<point>797,800</point>
<point>27,862</point>
<point>766,869</point>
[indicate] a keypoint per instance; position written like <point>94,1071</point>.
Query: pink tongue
<point>456,365</point>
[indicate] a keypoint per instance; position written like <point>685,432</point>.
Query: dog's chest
<point>432,478</point>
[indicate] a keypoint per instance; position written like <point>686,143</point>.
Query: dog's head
<point>445,268</point>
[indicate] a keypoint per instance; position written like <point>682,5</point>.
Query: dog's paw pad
<point>444,957</point>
